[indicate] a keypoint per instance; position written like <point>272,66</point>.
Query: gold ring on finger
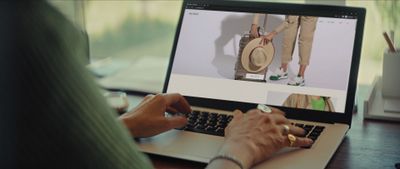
<point>292,139</point>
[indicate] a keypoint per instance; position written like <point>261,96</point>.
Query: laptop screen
<point>293,60</point>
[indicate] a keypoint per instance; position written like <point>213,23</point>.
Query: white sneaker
<point>280,74</point>
<point>297,81</point>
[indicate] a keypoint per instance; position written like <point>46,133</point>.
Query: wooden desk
<point>369,144</point>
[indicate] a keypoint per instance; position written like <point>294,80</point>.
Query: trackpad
<point>183,144</point>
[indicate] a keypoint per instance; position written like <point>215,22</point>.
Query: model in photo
<point>310,102</point>
<point>291,26</point>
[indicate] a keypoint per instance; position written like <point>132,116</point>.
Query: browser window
<point>211,59</point>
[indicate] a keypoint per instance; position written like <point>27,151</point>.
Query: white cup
<point>391,74</point>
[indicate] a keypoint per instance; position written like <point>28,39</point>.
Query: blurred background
<point>130,41</point>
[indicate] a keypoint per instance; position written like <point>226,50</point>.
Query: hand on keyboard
<point>148,118</point>
<point>255,136</point>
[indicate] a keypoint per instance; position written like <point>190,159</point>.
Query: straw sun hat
<point>256,57</point>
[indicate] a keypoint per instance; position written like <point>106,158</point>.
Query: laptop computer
<point>205,63</point>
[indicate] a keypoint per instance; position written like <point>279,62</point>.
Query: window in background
<point>382,15</point>
<point>131,41</point>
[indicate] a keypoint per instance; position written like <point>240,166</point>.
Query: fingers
<point>172,110</point>
<point>176,122</point>
<point>298,142</point>
<point>237,115</point>
<point>176,102</point>
<point>277,111</point>
<point>264,40</point>
<point>292,130</point>
<point>296,130</point>
<point>254,34</point>
<point>277,116</point>
<point>148,97</point>
<point>280,119</point>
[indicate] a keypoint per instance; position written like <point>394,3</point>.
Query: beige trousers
<point>307,25</point>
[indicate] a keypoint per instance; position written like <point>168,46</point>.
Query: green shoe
<point>280,74</point>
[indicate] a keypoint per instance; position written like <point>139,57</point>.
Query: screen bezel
<point>276,8</point>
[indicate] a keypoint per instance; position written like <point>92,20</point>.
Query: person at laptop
<point>64,122</point>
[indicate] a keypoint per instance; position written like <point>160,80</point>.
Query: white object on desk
<point>391,81</point>
<point>390,75</point>
<point>374,104</point>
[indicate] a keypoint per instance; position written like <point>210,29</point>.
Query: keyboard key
<point>207,123</point>
<point>200,127</point>
<point>223,121</point>
<point>191,115</point>
<point>319,128</point>
<point>192,120</point>
<point>211,123</point>
<point>219,130</point>
<point>314,133</point>
<point>212,120</point>
<point>309,126</point>
<point>202,120</point>
<point>210,128</point>
<point>195,112</point>
<point>313,137</point>
<point>222,116</point>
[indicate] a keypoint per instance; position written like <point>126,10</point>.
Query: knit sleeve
<point>63,121</point>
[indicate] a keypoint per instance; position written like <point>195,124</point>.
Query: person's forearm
<point>233,156</point>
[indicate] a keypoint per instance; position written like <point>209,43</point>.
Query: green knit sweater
<point>62,121</point>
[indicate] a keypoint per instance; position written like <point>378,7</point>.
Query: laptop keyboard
<point>207,123</point>
<point>214,124</point>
